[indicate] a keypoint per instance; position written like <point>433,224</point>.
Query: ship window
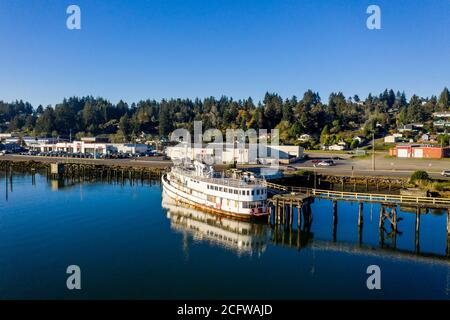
<point>235,191</point>
<point>248,192</point>
<point>220,189</point>
<point>253,192</point>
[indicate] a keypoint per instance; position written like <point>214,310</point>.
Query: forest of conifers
<point>338,117</point>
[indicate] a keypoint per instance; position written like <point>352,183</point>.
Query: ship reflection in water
<point>242,237</point>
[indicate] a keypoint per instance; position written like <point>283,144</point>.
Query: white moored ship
<point>199,186</point>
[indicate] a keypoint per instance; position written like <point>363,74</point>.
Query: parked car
<point>326,163</point>
<point>445,173</point>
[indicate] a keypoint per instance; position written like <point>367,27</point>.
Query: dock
<point>288,201</point>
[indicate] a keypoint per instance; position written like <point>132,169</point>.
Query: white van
<point>445,173</point>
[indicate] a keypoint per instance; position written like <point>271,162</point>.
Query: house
<point>441,123</point>
<point>443,115</point>
<point>419,151</point>
<point>360,139</point>
<point>425,137</point>
<point>304,137</point>
<point>392,138</point>
<point>406,128</point>
<point>4,136</point>
<point>337,147</point>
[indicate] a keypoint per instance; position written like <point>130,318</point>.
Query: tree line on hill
<point>337,119</point>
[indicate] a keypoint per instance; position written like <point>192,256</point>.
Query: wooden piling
<point>394,218</point>
<point>278,211</point>
<point>381,222</point>
<point>360,215</point>
<point>335,220</point>
<point>417,228</point>
<point>291,212</point>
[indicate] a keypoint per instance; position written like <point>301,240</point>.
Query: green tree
<point>444,100</point>
<point>124,125</point>
<point>45,123</point>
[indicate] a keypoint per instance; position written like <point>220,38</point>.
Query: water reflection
<point>242,237</point>
<point>248,237</point>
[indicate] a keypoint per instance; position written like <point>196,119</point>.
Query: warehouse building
<point>420,151</point>
<point>235,153</point>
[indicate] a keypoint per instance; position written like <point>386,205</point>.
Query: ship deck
<point>227,182</point>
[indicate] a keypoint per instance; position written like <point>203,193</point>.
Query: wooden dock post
<point>335,220</point>
<point>448,233</point>
<point>291,212</point>
<point>11,179</point>
<point>360,215</point>
<point>360,221</point>
<point>299,217</point>
<point>381,222</point>
<point>394,218</point>
<point>417,243</point>
<point>6,182</point>
<point>278,211</point>
<point>335,214</point>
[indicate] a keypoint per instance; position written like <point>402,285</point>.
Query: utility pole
<point>315,178</point>
<point>373,151</point>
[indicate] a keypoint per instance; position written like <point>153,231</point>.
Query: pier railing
<point>358,196</point>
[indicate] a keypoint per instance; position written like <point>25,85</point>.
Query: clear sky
<point>140,49</point>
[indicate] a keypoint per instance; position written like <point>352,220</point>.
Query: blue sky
<point>135,50</point>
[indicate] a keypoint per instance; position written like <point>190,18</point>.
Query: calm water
<point>129,244</point>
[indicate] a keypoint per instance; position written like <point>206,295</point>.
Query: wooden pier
<point>287,201</point>
<point>413,201</point>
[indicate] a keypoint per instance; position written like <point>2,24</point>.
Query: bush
<point>232,165</point>
<point>419,175</point>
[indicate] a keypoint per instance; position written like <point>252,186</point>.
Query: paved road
<point>384,166</point>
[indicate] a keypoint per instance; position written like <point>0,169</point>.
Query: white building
<point>86,146</point>
<point>336,147</point>
<point>304,137</point>
<point>132,148</point>
<point>235,153</point>
<point>392,138</point>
